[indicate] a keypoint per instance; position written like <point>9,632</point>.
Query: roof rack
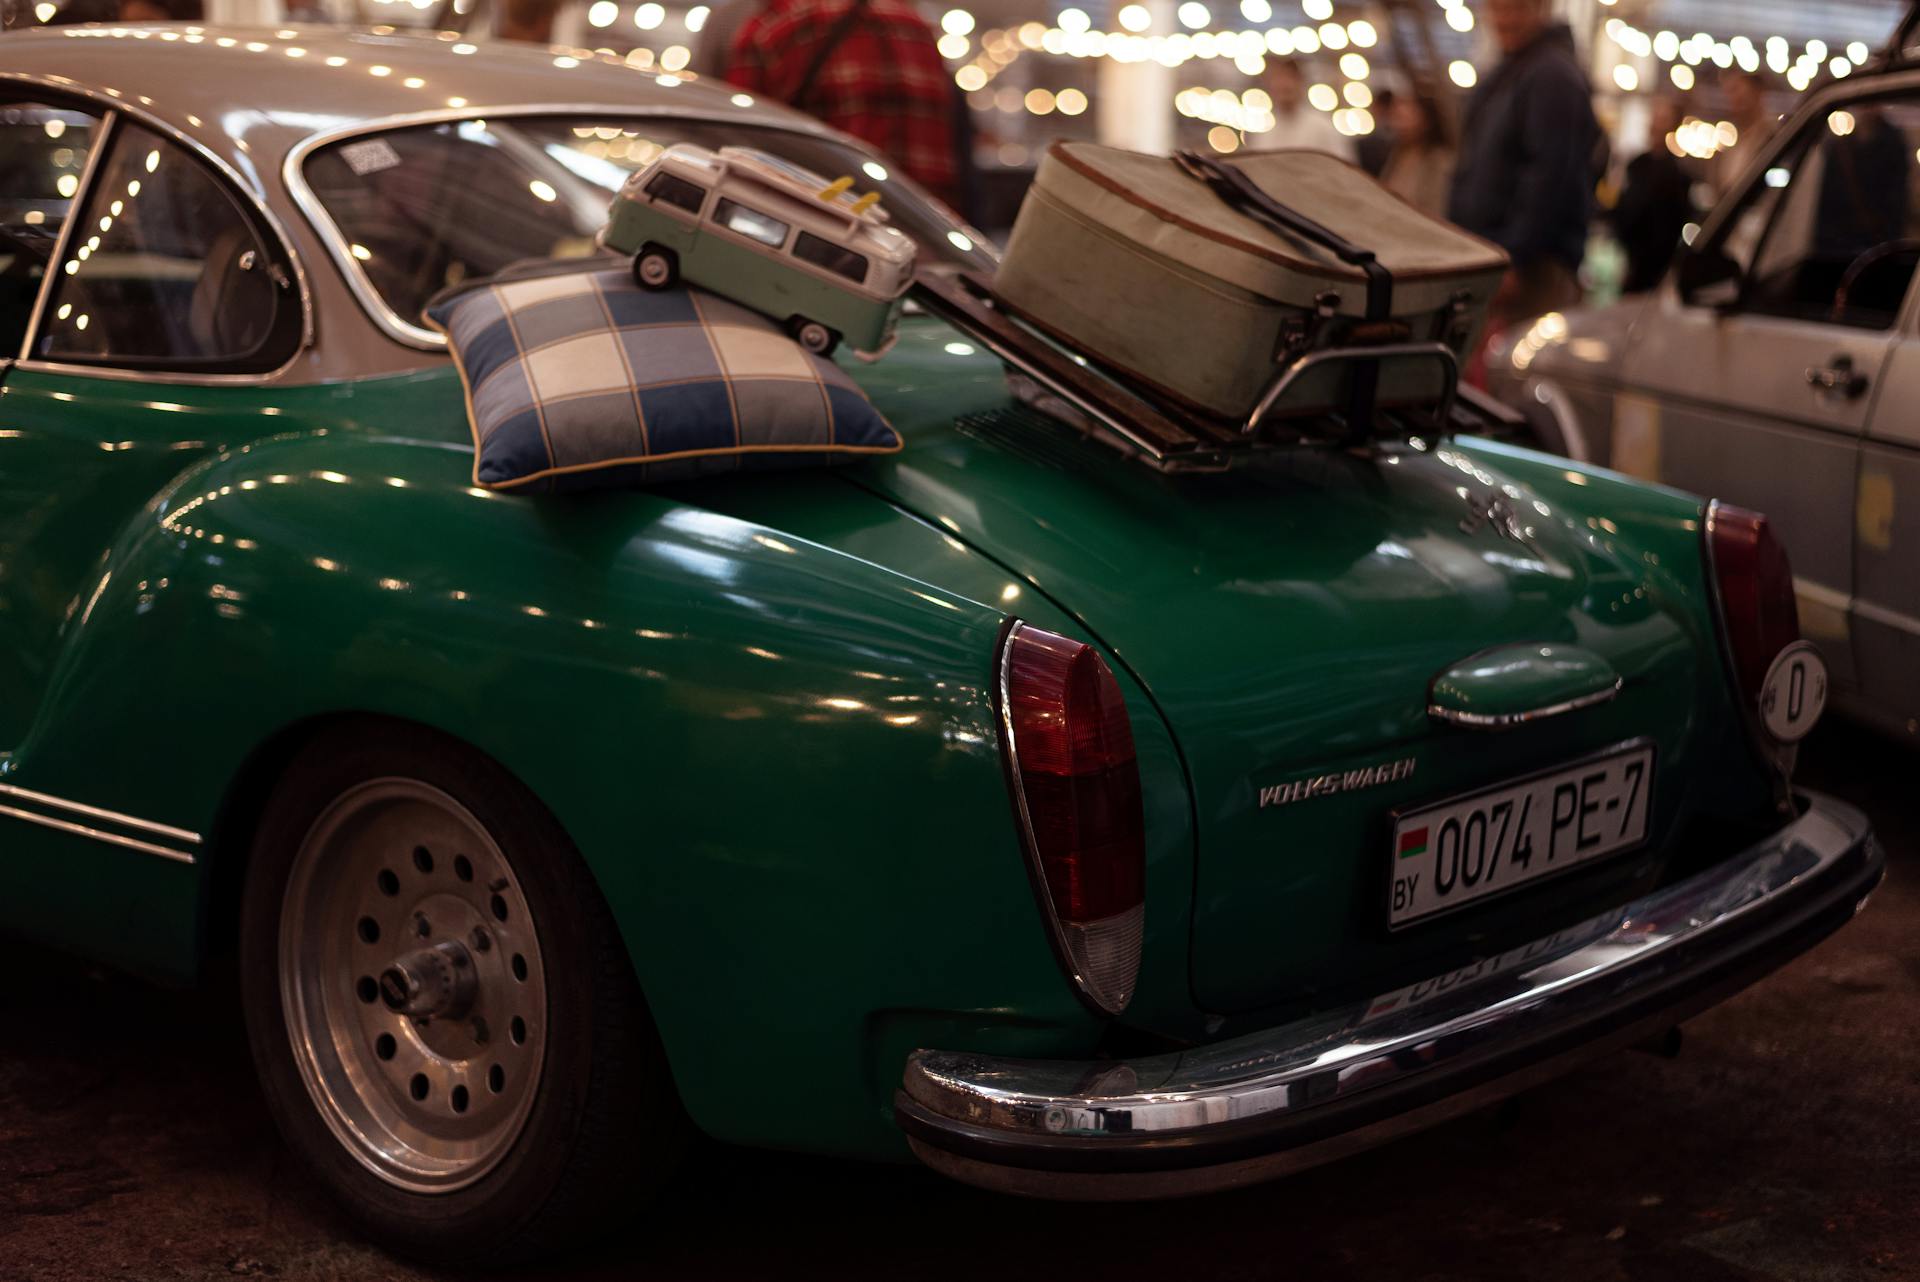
<point>1071,387</point>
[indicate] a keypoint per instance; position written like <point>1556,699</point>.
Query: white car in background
<point>1778,366</point>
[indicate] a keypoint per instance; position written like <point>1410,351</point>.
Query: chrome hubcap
<point>654,270</point>
<point>412,982</point>
<point>430,983</point>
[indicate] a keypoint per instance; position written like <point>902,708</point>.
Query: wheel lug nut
<point>482,941</point>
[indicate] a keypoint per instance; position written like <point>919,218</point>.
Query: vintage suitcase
<point>1260,283</point>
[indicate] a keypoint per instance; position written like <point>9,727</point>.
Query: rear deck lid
<point>1289,620</point>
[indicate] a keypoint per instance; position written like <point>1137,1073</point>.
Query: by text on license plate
<point>1469,848</point>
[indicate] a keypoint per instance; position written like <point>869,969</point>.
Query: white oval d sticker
<point>1794,693</point>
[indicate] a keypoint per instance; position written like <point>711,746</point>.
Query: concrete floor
<point>1784,1143</point>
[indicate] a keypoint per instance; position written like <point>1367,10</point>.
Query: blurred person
<point>1297,124</point>
<point>1420,170</point>
<point>1376,147</point>
<point>1656,203</point>
<point>714,45</point>
<point>868,67</point>
<point>162,11</point>
<point>1864,193</point>
<point>1746,95</point>
<point>1526,171</point>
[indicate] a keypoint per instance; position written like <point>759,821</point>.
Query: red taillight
<point>1077,788</point>
<point>1755,583</point>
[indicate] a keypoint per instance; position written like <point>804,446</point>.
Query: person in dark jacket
<point>1526,171</point>
<point>1656,203</point>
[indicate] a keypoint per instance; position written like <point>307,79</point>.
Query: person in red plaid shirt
<point>868,67</point>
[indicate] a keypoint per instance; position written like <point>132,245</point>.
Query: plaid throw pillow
<point>579,379</point>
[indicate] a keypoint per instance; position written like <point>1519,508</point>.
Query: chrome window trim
<point>121,373</point>
<point>62,85</point>
<point>48,279</point>
<point>1785,135</point>
<point>98,814</point>
<point>1715,226</point>
<point>390,322</point>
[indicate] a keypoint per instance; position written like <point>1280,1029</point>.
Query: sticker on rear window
<point>369,157</point>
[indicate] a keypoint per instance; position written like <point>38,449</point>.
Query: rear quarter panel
<point>779,760</point>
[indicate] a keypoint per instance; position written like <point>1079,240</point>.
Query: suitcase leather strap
<point>1233,186</point>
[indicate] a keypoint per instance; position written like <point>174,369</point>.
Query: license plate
<point>1472,848</point>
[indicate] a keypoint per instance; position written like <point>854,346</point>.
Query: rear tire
<point>445,1023</point>
<point>813,336</point>
<point>656,267</point>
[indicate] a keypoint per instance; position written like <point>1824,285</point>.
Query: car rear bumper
<point>1234,1112</point>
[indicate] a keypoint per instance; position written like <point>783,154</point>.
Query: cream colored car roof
<point>248,96</point>
<point>254,100</point>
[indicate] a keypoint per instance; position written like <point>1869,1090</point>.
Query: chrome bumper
<point>1254,1107</point>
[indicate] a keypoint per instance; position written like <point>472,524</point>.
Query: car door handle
<point>1838,377</point>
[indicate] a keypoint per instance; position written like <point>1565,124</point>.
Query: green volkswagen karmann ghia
<point>1084,827</point>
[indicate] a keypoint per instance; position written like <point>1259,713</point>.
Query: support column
<point>246,13</point>
<point>1133,101</point>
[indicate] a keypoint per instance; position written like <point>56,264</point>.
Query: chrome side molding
<point>32,807</point>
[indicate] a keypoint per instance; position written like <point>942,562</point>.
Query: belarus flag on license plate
<point>1413,843</point>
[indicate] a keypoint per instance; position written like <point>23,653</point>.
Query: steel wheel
<point>814,336</point>
<point>655,268</point>
<point>412,985</point>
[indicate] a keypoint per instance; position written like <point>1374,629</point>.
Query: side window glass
<point>837,259</point>
<point>43,153</point>
<point>164,270</point>
<point>751,223</point>
<point>428,207</point>
<point>1838,236</point>
<point>670,189</point>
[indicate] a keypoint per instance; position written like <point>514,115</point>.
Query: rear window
<point>422,207</point>
<point>838,259</point>
<point>668,189</point>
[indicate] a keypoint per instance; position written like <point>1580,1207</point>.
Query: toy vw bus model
<point>769,235</point>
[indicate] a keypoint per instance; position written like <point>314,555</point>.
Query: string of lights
<point>1348,100</point>
<point>1246,35</point>
<point>1682,55</point>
